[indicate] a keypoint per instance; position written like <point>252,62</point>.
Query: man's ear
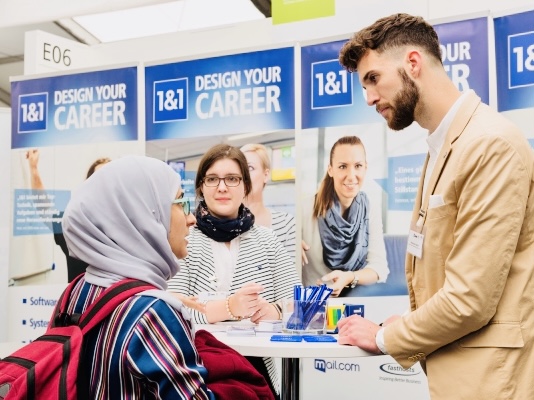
<point>414,60</point>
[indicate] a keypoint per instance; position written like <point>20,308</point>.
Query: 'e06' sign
<point>56,55</point>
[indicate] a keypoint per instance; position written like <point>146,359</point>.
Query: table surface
<point>261,346</point>
<point>257,346</point>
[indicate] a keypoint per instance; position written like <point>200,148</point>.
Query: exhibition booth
<point>173,96</point>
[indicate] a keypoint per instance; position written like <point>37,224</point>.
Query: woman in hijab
<point>130,221</point>
<point>342,239</point>
<point>236,269</point>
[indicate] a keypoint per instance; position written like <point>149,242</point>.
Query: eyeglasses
<point>229,180</point>
<point>185,203</point>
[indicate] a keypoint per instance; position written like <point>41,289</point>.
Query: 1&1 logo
<point>170,100</point>
<point>33,111</point>
<point>323,365</point>
<point>331,85</point>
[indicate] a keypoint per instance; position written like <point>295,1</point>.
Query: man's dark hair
<point>389,32</point>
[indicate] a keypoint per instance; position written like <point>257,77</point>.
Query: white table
<point>289,352</point>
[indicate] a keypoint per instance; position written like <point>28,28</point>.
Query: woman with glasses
<point>130,221</point>
<point>235,269</point>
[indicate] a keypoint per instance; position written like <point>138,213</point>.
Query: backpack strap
<point>59,317</point>
<point>109,300</point>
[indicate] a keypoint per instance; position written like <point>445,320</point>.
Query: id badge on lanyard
<point>416,237</point>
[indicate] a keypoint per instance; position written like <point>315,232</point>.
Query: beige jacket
<point>472,292</point>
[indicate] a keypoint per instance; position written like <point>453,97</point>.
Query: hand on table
<point>358,331</point>
<point>246,301</point>
<point>267,311</point>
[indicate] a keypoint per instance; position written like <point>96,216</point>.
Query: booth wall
<point>5,144</point>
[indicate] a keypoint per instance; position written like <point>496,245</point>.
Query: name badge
<point>415,243</point>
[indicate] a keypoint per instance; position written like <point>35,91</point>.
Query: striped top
<point>283,225</point>
<point>144,350</point>
<point>261,259</point>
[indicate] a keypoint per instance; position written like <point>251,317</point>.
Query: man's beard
<point>404,103</point>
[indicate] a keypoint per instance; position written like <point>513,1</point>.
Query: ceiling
<point>12,37</point>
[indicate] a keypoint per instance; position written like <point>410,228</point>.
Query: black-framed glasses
<point>185,202</point>
<point>229,180</point>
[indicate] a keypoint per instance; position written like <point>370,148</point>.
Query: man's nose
<point>371,97</point>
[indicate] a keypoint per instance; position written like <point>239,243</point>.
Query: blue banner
<point>89,107</point>
<point>514,54</point>
<point>331,96</point>
<point>401,185</point>
<point>221,95</point>
<point>38,212</point>
<point>464,50</point>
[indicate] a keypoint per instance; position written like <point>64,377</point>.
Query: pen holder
<point>303,317</point>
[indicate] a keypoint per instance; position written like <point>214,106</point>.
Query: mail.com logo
<point>323,365</point>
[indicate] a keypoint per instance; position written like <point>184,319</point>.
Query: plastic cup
<point>303,317</point>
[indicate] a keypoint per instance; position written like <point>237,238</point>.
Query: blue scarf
<point>223,230</point>
<point>346,242</point>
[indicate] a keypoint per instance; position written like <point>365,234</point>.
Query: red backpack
<point>48,368</point>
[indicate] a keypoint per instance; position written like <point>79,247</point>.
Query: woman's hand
<point>305,248</point>
<point>267,311</point>
<point>339,279</point>
<point>246,301</point>
<point>191,302</point>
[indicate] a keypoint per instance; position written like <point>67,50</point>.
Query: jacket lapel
<point>457,127</point>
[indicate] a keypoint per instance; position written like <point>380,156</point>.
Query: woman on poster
<point>342,238</point>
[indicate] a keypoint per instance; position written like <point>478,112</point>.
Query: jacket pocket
<point>496,334</point>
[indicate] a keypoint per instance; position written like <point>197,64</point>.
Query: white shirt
<point>226,262</point>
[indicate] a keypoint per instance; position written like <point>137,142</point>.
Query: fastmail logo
<point>323,365</point>
<point>396,369</point>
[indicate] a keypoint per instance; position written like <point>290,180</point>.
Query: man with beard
<point>470,260</point>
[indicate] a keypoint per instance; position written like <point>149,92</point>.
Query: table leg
<point>290,379</point>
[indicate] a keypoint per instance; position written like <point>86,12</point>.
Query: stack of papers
<point>240,330</point>
<point>264,328</point>
<point>269,326</point>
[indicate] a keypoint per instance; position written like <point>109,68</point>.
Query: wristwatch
<point>354,282</point>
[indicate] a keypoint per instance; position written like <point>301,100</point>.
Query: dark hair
<point>389,32</point>
<point>325,195</point>
<point>93,166</point>
<point>216,153</point>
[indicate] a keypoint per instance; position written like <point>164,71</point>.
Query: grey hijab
<point>118,222</point>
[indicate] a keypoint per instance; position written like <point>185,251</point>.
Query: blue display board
<point>401,185</point>
<point>514,53</point>
<point>229,94</point>
<point>464,49</point>
<point>73,109</point>
<point>331,96</point>
<point>38,212</point>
